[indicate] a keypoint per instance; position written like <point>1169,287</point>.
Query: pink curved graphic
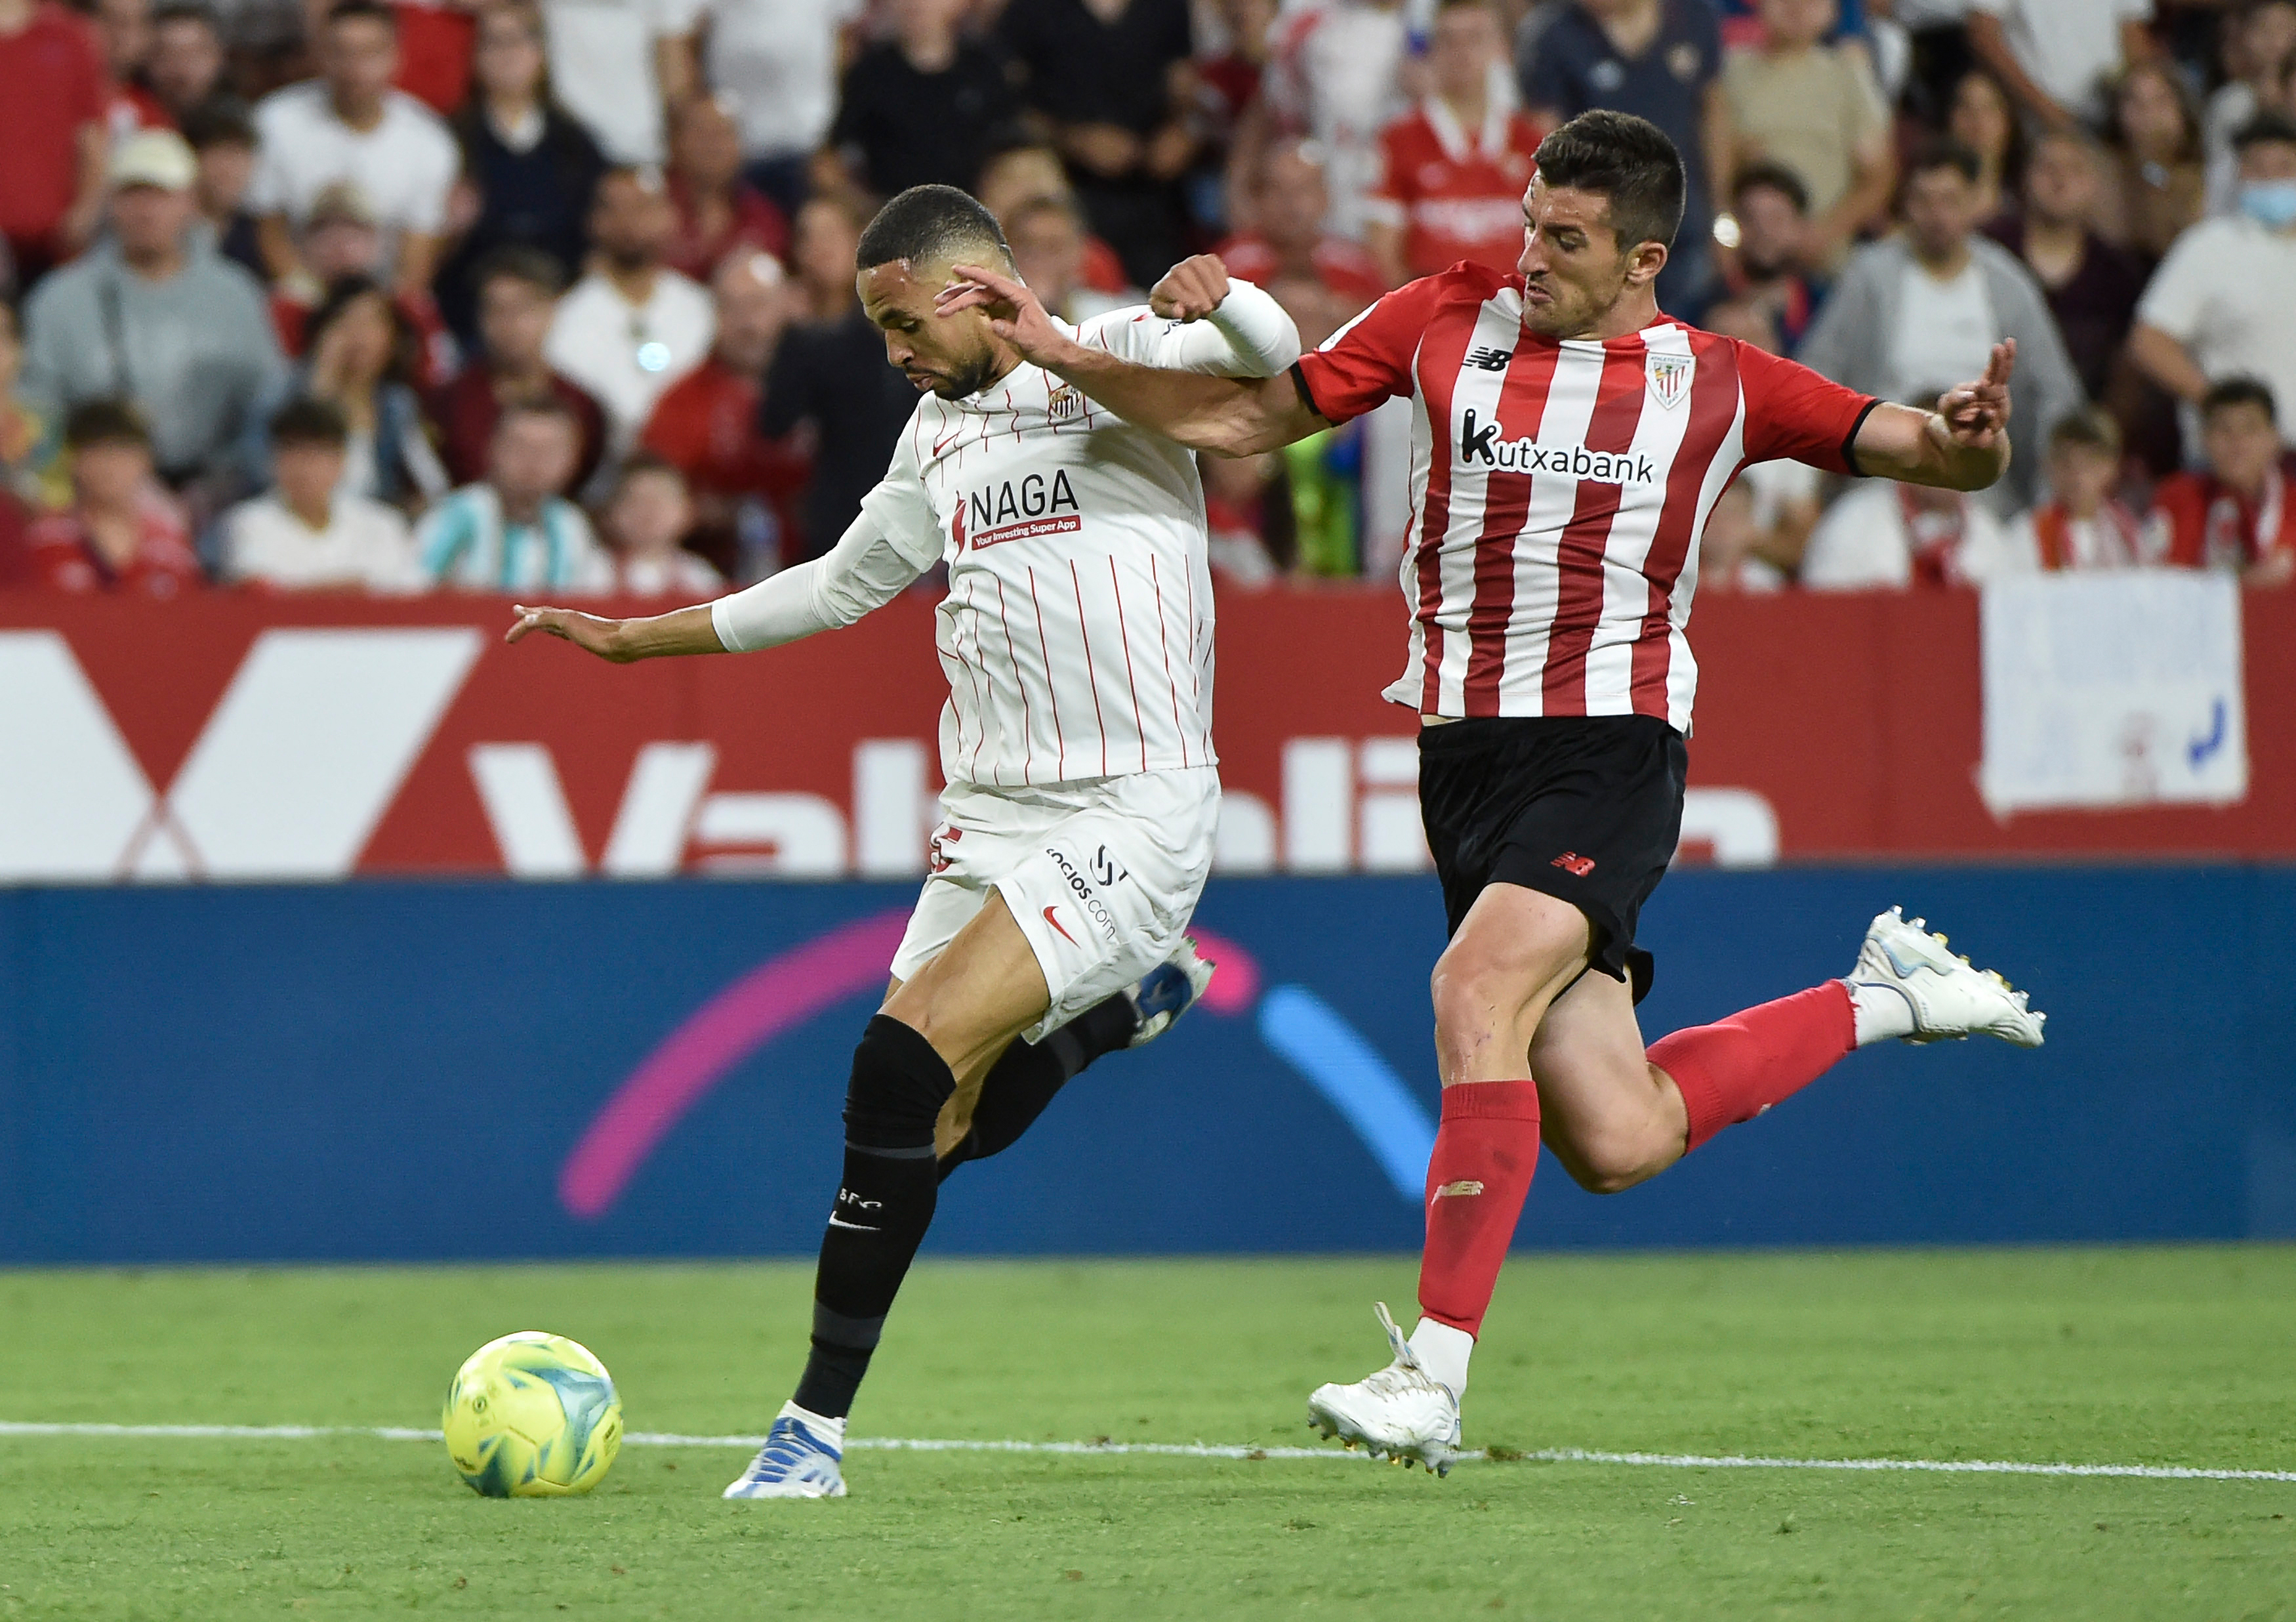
<point>778,993</point>
<point>768,999</point>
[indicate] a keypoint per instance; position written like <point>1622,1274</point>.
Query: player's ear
<point>1644,260</point>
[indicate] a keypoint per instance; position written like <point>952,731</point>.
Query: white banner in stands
<point>2115,688</point>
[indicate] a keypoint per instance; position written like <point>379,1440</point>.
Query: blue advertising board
<point>374,1070</point>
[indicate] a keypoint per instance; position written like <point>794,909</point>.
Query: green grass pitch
<point>2151,1357</point>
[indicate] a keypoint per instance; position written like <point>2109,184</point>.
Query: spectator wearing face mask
<point>2239,511</point>
<point>2260,50</point>
<point>2221,304</point>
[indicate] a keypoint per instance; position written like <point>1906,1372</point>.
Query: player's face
<point>953,356</point>
<point>1573,268</point>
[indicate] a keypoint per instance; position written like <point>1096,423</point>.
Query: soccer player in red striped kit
<point>1570,442</point>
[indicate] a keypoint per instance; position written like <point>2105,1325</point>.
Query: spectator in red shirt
<point>184,68</point>
<point>123,534</point>
<point>1321,280</point>
<point>518,295</point>
<point>53,139</point>
<point>1452,170</point>
<point>2239,513</point>
<point>717,211</point>
<point>745,486</point>
<point>341,237</point>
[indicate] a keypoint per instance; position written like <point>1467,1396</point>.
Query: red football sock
<point>1733,1070</point>
<point>1484,1151</point>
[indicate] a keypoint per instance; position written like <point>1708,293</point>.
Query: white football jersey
<point>1076,634</point>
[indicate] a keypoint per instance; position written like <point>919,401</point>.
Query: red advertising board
<point>254,738</point>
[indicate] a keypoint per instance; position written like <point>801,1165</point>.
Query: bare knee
<point>1611,1164</point>
<point>1620,1147</point>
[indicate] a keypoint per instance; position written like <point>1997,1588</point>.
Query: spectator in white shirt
<point>1886,536</point>
<point>304,534</point>
<point>1929,304</point>
<point>633,326</point>
<point>647,520</point>
<point>2057,56</point>
<point>616,64</point>
<point>350,124</point>
<point>777,59</point>
<point>2223,301</point>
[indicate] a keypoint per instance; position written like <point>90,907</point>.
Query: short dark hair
<point>1768,174</point>
<point>220,121</point>
<point>638,465</point>
<point>1946,153</point>
<point>931,222</point>
<point>2239,390</point>
<point>306,421</point>
<point>2268,125</point>
<point>1628,161</point>
<point>373,10</point>
<point>520,263</point>
<point>344,291</point>
<point>2091,428</point>
<point>106,422</point>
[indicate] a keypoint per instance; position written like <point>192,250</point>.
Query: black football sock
<point>883,1207</point>
<point>1023,1081</point>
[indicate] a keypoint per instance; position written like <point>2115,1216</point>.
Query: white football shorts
<point>1102,876</point>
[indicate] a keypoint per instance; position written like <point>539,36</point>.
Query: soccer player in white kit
<point>1083,791</point>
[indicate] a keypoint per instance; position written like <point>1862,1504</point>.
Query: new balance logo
<point>1574,864</point>
<point>1488,360</point>
<point>1454,1191</point>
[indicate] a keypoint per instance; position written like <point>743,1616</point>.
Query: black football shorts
<point>1586,809</point>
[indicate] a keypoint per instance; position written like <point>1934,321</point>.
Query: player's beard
<point>1573,312</point>
<point>967,380</point>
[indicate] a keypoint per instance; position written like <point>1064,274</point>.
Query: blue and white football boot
<point>800,1459</point>
<point>1168,991</point>
<point>1945,997</point>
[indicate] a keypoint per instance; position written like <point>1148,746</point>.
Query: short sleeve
<point>1792,413</point>
<point>899,505</point>
<point>1369,360</point>
<point>2179,293</point>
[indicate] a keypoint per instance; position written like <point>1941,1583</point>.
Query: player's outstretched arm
<point>688,631</point>
<point>1962,445</point>
<point>1231,416</point>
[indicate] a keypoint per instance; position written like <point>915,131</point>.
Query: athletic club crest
<point>1669,378</point>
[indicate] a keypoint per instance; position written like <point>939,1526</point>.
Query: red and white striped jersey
<point>1077,633</point>
<point>1560,489</point>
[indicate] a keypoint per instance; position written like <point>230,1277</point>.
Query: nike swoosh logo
<point>1056,923</point>
<point>941,445</point>
<point>835,1222</point>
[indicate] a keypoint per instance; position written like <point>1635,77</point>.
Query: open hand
<point>1977,413</point>
<point>1015,314</point>
<point>583,630</point>
<point>1190,289</point>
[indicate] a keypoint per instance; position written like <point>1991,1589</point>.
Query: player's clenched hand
<point>1015,314</point>
<point>1977,413</point>
<point>583,630</point>
<point>1190,289</point>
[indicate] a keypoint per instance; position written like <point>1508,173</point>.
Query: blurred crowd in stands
<point>529,295</point>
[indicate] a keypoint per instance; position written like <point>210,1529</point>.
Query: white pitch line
<point>1195,1450</point>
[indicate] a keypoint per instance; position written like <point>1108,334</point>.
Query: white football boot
<point>1168,991</point>
<point>799,1460</point>
<point>1948,998</point>
<point>1402,1414</point>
